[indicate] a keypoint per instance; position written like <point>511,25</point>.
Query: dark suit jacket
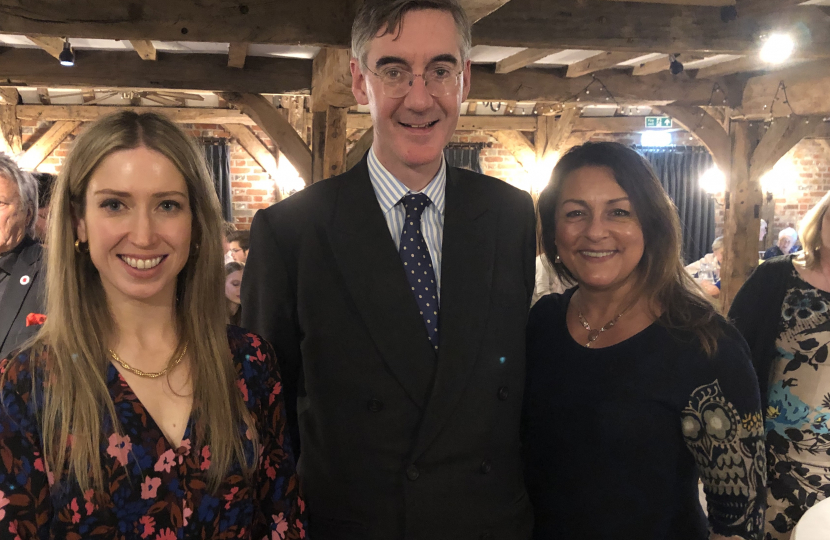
<point>396,442</point>
<point>20,299</point>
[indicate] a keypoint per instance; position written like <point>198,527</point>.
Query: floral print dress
<point>798,412</point>
<point>151,490</point>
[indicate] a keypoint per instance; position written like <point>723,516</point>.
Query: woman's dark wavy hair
<point>661,276</point>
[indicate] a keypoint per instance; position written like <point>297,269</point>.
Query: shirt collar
<point>389,190</point>
<point>9,259</point>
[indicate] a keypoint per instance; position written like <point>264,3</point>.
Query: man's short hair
<point>228,229</point>
<point>381,17</point>
<point>26,188</point>
<point>243,238</point>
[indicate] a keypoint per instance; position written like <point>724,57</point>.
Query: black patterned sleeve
<point>25,505</point>
<point>278,488</point>
<point>723,428</point>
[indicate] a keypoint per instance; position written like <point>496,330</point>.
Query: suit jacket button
<point>486,466</point>
<point>503,393</point>
<point>412,472</point>
<point>375,405</point>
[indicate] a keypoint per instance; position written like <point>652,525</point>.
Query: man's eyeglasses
<point>397,82</point>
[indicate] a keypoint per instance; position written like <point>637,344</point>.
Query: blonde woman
<point>783,311</point>
<point>136,413</point>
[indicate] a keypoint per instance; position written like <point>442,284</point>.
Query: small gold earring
<point>79,249</point>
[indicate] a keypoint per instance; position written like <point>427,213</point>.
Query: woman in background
<point>136,412</point>
<point>635,385</point>
<point>233,283</point>
<point>783,311</point>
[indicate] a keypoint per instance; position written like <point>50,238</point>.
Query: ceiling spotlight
<point>777,48</point>
<point>675,67</point>
<point>67,57</point>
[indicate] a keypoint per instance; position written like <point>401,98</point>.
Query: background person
<point>787,243</point>
<point>233,285</point>
<point>175,419</point>
<point>239,243</point>
<point>397,296</point>
<point>228,229</point>
<point>783,311</point>
<point>635,385</point>
<point>706,270</point>
<point>21,277</point>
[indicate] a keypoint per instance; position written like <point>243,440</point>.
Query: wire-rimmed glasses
<point>397,82</point>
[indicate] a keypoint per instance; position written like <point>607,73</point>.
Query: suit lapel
<point>466,275</point>
<point>371,267</point>
<point>16,290</point>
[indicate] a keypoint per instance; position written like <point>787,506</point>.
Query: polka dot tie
<point>418,263</point>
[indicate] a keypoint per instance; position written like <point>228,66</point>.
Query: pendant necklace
<point>593,334</point>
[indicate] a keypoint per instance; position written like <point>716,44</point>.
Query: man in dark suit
<point>20,274</point>
<point>396,297</point>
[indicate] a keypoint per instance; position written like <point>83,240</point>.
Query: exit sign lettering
<point>658,122</point>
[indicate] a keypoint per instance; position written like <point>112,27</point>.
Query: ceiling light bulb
<point>777,48</point>
<point>67,57</point>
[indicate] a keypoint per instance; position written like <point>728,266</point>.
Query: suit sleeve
<point>269,308</point>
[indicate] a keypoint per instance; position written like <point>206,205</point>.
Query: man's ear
<point>466,87</point>
<point>358,82</point>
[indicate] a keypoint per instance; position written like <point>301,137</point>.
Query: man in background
<point>21,277</point>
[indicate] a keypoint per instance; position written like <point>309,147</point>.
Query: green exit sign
<point>658,122</point>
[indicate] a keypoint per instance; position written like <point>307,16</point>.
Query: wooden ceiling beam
<point>662,64</point>
<point>237,52</point>
<point>478,9</point>
<point>632,27</point>
<point>27,67</point>
<point>806,91</point>
<point>90,113</point>
<point>314,22</point>
<point>269,120</point>
<point>44,146</point>
<point>579,24</point>
<point>522,59</point>
<point>540,85</point>
<point>519,145</point>
<point>743,65</point>
<point>603,60</point>
<point>145,48</point>
<point>781,136</point>
<point>706,129</point>
<point>52,45</point>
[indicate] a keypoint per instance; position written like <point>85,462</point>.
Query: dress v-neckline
<point>151,422</point>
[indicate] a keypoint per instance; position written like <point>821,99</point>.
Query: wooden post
<point>9,122</point>
<point>44,146</point>
<point>743,212</point>
<point>329,143</point>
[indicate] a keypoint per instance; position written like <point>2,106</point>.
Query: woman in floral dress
<point>783,311</point>
<point>136,413</point>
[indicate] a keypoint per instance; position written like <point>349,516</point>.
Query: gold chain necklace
<point>145,374</point>
<point>593,334</point>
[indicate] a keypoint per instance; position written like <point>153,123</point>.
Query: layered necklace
<point>146,374</point>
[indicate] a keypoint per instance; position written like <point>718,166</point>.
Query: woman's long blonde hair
<point>75,397</point>
<point>809,230</point>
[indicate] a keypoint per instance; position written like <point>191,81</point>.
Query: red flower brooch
<point>33,319</point>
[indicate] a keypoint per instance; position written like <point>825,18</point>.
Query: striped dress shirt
<point>389,191</point>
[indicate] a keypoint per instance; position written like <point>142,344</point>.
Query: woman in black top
<point>635,385</point>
